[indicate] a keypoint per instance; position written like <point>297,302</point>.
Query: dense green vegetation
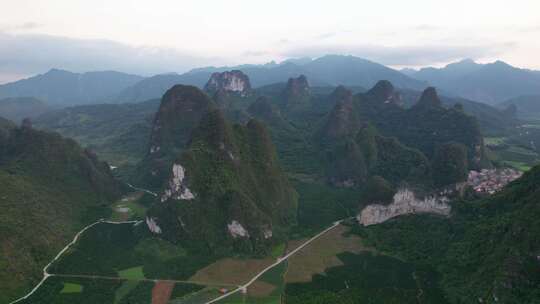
<point>92,291</point>
<point>51,188</point>
<point>130,252</point>
<point>118,133</point>
<point>234,172</point>
<point>368,278</point>
<point>487,250</point>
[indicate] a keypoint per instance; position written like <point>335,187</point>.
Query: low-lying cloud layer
<point>29,54</point>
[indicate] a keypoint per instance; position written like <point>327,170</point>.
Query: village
<point>491,180</point>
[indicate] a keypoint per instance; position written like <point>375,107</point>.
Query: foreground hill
<point>490,83</point>
<point>51,188</point>
<point>16,109</point>
<point>487,251</point>
<point>227,188</point>
<point>59,87</point>
<point>220,184</point>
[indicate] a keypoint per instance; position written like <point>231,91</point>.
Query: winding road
<point>46,274</point>
<point>240,288</point>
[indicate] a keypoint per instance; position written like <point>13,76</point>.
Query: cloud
<point>20,27</point>
<point>403,55</point>
<point>29,54</point>
<point>427,27</point>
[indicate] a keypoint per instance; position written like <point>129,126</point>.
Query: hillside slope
<point>492,242</point>
<point>16,109</point>
<point>50,189</point>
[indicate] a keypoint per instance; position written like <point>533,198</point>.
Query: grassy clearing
<point>133,273</point>
<point>81,291</point>
<point>518,165</point>
<point>278,250</point>
<point>494,141</point>
<point>231,271</point>
<point>128,208</point>
<point>322,254</point>
<point>71,288</point>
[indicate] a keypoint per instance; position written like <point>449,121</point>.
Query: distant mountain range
<point>488,83</point>
<point>59,87</point>
<point>330,70</point>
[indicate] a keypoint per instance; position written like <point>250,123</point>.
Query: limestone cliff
<point>404,202</point>
<point>228,81</point>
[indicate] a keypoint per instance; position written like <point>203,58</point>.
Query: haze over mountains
<point>487,83</point>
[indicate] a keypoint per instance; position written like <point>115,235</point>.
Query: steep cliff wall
<point>404,202</point>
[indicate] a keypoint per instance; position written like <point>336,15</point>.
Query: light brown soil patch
<point>260,289</point>
<point>231,271</point>
<point>321,254</point>
<point>162,292</point>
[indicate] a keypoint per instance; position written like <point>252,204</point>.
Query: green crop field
<point>71,288</point>
<point>133,273</point>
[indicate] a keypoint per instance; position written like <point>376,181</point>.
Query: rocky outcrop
<point>152,225</point>
<point>176,187</point>
<point>404,202</point>
<point>237,230</point>
<point>230,81</point>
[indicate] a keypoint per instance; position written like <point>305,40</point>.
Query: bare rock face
<point>230,81</point>
<point>237,230</point>
<point>152,225</point>
<point>176,187</point>
<point>404,202</point>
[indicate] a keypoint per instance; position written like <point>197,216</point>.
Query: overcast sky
<point>148,37</point>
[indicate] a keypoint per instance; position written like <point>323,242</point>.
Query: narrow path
<point>141,189</point>
<point>279,261</point>
<point>101,277</point>
<point>46,274</point>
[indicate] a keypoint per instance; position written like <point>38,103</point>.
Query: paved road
<point>279,261</point>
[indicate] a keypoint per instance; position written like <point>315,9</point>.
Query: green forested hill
<point>226,189</point>
<point>50,188</point>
